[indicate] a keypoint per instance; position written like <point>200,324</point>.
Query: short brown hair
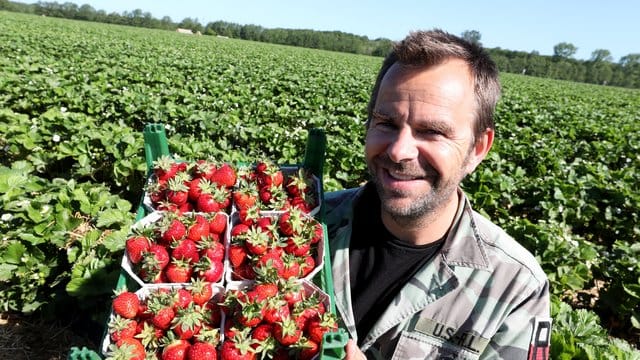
<point>429,48</point>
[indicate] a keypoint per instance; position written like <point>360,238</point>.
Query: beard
<point>422,204</point>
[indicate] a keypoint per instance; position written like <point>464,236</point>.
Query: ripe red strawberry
<point>120,328</point>
<point>188,322</point>
<point>233,349</point>
<point>287,332</point>
<point>276,310</point>
<point>156,259</point>
<point>136,246</point>
<point>176,349</point>
<point>239,230</point>
<point>308,349</point>
<point>209,270</point>
<point>201,292</point>
<point>206,203</point>
<point>126,304</point>
<point>185,250</point>
<point>177,191</point>
<point>127,348</point>
<point>195,190</point>
<point>162,315</point>
<point>202,351</point>
<point>237,255</point>
<point>249,313</point>
<point>291,222</point>
<point>172,229</point>
<point>203,169</point>
<point>319,325</point>
<point>292,292</point>
<point>245,195</point>
<point>291,269</point>
<point>307,265</point>
<point>225,175</point>
<point>198,228</point>
<point>181,298</point>
<point>263,291</point>
<point>299,183</point>
<point>298,245</point>
<point>272,261</point>
<point>178,271</point>
<point>256,241</point>
<point>218,223</point>
<point>165,167</point>
<point>211,248</point>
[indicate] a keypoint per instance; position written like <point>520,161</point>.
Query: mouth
<point>401,176</point>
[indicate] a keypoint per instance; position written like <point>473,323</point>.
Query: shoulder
<point>503,248</point>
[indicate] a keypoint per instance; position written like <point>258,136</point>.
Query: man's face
<point>419,143</point>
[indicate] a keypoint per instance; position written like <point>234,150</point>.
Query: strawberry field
<point>562,177</point>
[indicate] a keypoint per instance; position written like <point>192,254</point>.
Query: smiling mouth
<point>402,176</point>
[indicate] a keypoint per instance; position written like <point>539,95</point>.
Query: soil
<point>30,338</point>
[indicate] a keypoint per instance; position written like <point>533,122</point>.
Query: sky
<point>509,24</point>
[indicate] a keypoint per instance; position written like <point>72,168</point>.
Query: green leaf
<point>110,217</point>
<point>7,271</point>
<point>14,252</point>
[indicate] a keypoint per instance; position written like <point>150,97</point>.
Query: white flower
<point>6,217</point>
<point>56,138</point>
<point>63,109</point>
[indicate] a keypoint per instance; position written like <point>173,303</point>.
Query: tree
<point>630,59</point>
<point>600,55</point>
<point>472,36</point>
<point>564,50</point>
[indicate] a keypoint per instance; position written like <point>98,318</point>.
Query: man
<point>417,273</point>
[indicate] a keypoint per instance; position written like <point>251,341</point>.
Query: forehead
<point>450,79</point>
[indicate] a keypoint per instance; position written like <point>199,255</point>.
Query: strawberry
<point>263,291</point>
<point>136,246</point>
<point>298,245</point>
<point>291,222</point>
<point>209,270</point>
<point>198,228</point>
<point>177,191</point>
<point>172,228</point>
<point>217,223</point>
<point>299,183</point>
<point>211,248</point>
<point>206,203</point>
<point>249,313</point>
<point>201,292</point>
<point>162,315</point>
<point>256,241</point>
<point>239,230</point>
<point>321,324</point>
<point>237,255</point>
<point>178,271</point>
<point>287,331</point>
<point>307,265</point>
<point>238,347</point>
<point>276,310</point>
<point>195,189</point>
<point>157,258</point>
<point>202,351</point>
<point>120,328</point>
<point>203,169</point>
<point>185,250</point>
<point>292,291</point>
<point>225,176</point>
<point>245,195</point>
<point>181,298</point>
<point>165,167</point>
<point>188,321</point>
<point>127,348</point>
<point>291,268</point>
<point>149,335</point>
<point>126,304</point>
<point>175,349</point>
<point>308,349</point>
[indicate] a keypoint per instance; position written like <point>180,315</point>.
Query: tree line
<point>599,69</point>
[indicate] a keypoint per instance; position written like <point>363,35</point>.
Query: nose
<point>403,147</point>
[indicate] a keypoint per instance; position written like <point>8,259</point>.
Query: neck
<point>426,229</point>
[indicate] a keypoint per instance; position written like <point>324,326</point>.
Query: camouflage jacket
<point>480,297</point>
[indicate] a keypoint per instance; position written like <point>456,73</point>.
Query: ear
<point>479,150</point>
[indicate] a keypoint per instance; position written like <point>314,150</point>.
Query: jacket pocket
<point>416,345</point>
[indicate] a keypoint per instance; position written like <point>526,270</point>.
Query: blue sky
<point>508,24</point>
